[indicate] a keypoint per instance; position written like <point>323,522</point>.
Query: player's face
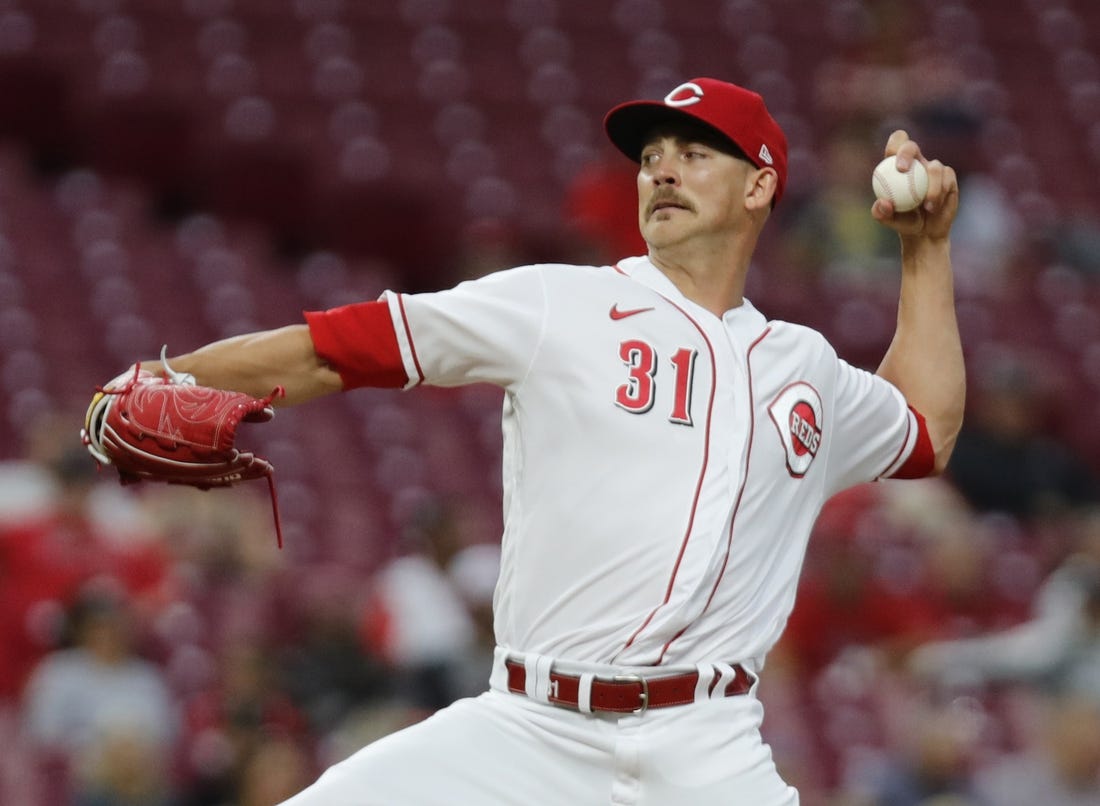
<point>689,186</point>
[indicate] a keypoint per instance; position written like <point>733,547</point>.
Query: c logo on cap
<point>688,86</point>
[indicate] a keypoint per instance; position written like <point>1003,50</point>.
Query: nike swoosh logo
<point>617,314</point>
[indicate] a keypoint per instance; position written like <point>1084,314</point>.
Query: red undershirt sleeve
<point>922,459</point>
<point>359,343</point>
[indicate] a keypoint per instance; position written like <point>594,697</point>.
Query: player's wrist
<point>925,245</point>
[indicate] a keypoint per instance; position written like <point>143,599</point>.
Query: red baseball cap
<point>734,112</point>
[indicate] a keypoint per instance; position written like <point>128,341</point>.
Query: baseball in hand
<point>906,190</point>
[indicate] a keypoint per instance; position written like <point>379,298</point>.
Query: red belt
<point>628,693</point>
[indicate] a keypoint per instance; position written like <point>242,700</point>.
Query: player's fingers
<point>897,138</point>
<point>935,184</point>
<point>948,206</point>
<point>908,223</point>
<point>904,150</point>
<point>942,183</point>
<point>882,210</point>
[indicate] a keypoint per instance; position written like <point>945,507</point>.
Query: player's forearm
<point>925,358</point>
<point>255,363</point>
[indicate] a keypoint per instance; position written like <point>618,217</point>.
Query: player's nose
<point>663,173</point>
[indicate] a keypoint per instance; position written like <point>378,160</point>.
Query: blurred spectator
<point>890,69</point>
<point>828,230</point>
<point>988,235</point>
<point>843,600</point>
<point>328,670</point>
<point>1004,459</point>
<point>66,529</point>
<point>934,765</point>
<point>105,713</point>
<point>232,721</point>
<point>428,617</point>
<point>971,578</point>
<point>415,618</point>
<point>473,572</point>
<point>1062,769</point>
<point>831,231</point>
<point>962,587</point>
<point>1075,241</point>
<point>277,769</point>
<point>989,239</point>
<point>126,770</point>
<point>1059,649</point>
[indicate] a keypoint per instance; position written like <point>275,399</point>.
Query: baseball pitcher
<point>667,448</point>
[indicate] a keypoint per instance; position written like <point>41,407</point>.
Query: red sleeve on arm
<point>359,343</point>
<point>922,459</point>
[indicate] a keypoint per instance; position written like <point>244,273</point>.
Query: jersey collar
<point>744,322</point>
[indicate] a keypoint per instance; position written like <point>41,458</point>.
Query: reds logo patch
<point>798,418</point>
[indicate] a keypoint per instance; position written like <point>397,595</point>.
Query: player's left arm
<point>925,358</point>
<point>255,363</point>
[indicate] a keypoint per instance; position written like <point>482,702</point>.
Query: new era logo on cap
<point>734,112</point>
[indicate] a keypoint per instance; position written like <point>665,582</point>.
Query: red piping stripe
<point>904,442</point>
<point>409,338</point>
<point>740,494</point>
<point>698,486</point>
<point>922,458</point>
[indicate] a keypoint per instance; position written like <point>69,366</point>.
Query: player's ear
<point>760,186</point>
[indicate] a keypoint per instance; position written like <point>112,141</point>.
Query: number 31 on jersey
<point>639,392</point>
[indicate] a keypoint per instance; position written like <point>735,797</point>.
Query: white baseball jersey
<point>663,467</point>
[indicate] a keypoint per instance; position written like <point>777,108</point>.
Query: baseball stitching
<point>884,185</point>
<point>910,180</point>
<point>912,177</point>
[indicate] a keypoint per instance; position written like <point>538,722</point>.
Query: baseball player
<point>666,451</point>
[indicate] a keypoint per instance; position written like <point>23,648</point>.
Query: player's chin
<point>661,230</point>
<point>654,241</point>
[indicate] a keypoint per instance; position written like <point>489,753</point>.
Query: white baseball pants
<point>503,749</point>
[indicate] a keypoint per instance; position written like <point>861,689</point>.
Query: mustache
<point>667,196</point>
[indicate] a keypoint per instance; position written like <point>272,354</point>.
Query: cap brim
<point>628,125</point>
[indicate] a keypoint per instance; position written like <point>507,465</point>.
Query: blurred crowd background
<point>176,171</point>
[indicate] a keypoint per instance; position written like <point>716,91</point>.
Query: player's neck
<point>713,279</point>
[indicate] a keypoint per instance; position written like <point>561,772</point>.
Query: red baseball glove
<point>170,429</point>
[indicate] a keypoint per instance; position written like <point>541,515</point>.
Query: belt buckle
<point>643,696</point>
